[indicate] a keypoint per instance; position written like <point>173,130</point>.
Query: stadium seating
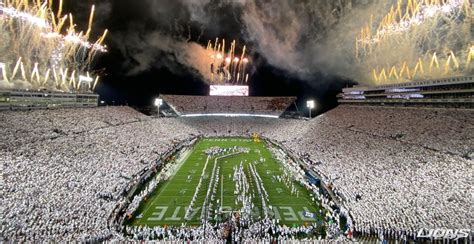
<point>20,127</point>
<point>216,104</point>
<point>64,171</point>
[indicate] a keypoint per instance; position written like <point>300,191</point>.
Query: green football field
<point>168,203</point>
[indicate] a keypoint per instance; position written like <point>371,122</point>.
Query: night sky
<point>136,69</point>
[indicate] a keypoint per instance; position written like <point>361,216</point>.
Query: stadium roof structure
<point>231,106</point>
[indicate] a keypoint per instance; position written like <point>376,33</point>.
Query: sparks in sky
<point>225,65</point>
<point>45,47</point>
<point>415,40</point>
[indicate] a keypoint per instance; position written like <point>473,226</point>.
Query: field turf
<point>167,204</point>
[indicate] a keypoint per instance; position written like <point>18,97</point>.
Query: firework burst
<point>417,39</point>
<point>227,66</point>
<point>42,49</point>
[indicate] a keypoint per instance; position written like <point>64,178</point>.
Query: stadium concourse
<point>394,170</point>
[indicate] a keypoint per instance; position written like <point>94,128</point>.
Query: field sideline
<point>168,203</point>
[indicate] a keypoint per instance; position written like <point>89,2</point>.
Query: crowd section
<point>446,130</point>
<point>218,104</point>
<point>67,188</point>
<point>20,127</point>
<point>389,187</point>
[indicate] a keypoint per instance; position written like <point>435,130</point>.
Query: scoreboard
<point>228,90</point>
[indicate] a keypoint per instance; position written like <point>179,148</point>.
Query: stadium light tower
<point>310,105</point>
<point>158,103</point>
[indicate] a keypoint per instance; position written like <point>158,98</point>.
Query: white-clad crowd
<point>66,171</point>
<point>264,231</point>
<point>20,127</point>
<point>446,130</point>
<point>228,104</point>
<point>68,187</point>
<point>390,186</point>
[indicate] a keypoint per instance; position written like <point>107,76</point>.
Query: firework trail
<point>417,39</point>
<point>41,49</point>
<point>226,66</point>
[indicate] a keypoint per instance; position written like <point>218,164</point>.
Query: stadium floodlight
<point>310,104</point>
<point>158,103</point>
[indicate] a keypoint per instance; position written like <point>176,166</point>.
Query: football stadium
<point>385,156</point>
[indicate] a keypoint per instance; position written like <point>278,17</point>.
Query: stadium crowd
<point>263,231</point>
<point>393,171</point>
<point>444,130</point>
<point>389,187</point>
<point>66,188</point>
<point>20,127</point>
<point>229,104</point>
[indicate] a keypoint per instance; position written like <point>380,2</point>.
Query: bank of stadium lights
<point>311,105</point>
<point>158,103</point>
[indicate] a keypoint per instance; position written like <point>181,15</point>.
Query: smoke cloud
<point>304,38</point>
<point>157,50</point>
